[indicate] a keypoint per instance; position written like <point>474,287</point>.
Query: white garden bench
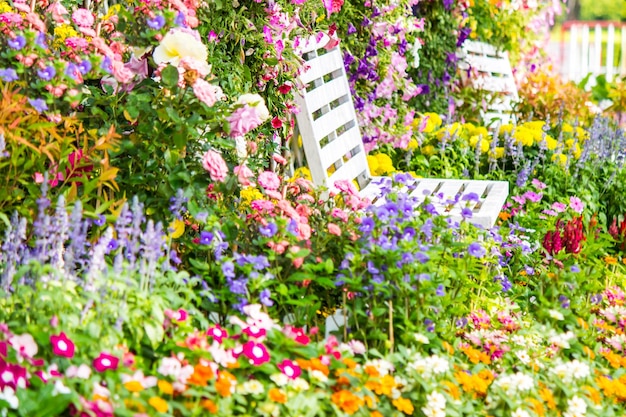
<point>490,72</point>
<point>334,148</point>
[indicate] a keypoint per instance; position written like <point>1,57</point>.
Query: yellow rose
<point>177,45</point>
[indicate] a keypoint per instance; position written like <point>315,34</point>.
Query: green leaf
<point>154,332</point>
<point>169,76</point>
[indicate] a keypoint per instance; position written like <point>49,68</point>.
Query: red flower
<point>284,89</point>
<point>105,361</point>
<point>277,123</point>
<point>62,345</point>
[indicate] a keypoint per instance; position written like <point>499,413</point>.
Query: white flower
<point>169,367</point>
<point>522,355</point>
<point>557,315</point>
<point>436,400</point>
<point>438,365</point>
<point>576,407</point>
<point>59,388</point>
<point>252,386</point>
<point>83,371</point>
<point>178,44</point>
<point>433,412</point>
<point>300,384</point>
<point>24,344</point>
<point>280,379</point>
<point>579,370</point>
<point>9,396</point>
<point>319,375</point>
<point>420,338</point>
<point>520,413</point>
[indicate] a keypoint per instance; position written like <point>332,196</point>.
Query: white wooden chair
<point>490,71</point>
<point>334,149</point>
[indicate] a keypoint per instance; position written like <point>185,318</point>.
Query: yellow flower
<point>61,33</point>
<point>551,143</point>
<point>450,131</point>
<point>497,153</point>
<point>412,144</point>
<point>159,404</point>
<point>302,172</point>
<point>113,11</point>
<point>404,405</point>
<point>176,228</point>
<point>508,128</point>
<point>385,164</point>
<point>479,141</point>
<point>559,159</point>
<point>133,386</point>
<point>372,162</point>
<point>567,128</point>
<point>178,45</point>
<point>165,387</point>
<point>4,7</point>
<point>428,150</point>
<point>582,134</point>
<point>429,122</point>
<point>523,136</point>
<point>536,125</point>
<point>249,194</point>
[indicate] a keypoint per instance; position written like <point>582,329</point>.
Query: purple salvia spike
<point>98,262</point>
<point>58,233</point>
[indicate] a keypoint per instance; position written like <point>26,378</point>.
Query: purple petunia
<point>84,67</point>
<point>8,75</point>
<point>265,299</point>
<point>206,237</point>
<point>38,104</point>
<point>156,23</point>
<point>17,43</point>
<point>476,250</point>
<point>269,230</point>
<point>47,73</point>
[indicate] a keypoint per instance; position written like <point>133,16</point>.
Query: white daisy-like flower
<point>520,413</point>
<point>523,356</point>
<point>299,384</point>
<point>438,365</point>
<point>319,375</point>
<point>436,400</point>
<point>280,379</point>
<point>252,386</point>
<point>557,315</point>
<point>420,338</point>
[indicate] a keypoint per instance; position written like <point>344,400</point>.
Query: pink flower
<point>576,204</point>
<point>205,92</point>
<point>290,369</point>
<point>339,214</point>
<point>559,207</point>
<point>297,334</point>
<point>243,175</point>
<point>83,18</point>
<point>540,185</point>
<point>254,331</point>
<point>58,12</point>
<point>62,345</point>
<point>217,333</point>
<point>105,361</point>
<point>24,344</point>
<point>333,229</point>
<point>179,316</point>
<point>216,166</point>
<point>243,120</point>
<point>256,352</point>
<point>269,180</point>
<point>83,371</point>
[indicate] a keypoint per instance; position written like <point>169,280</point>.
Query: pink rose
<point>243,120</point>
<point>333,229</point>
<point>216,166</point>
<point>243,175</point>
<point>269,180</point>
<point>83,18</point>
<point>205,92</point>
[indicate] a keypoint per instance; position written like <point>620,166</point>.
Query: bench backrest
<point>327,119</point>
<point>494,76</point>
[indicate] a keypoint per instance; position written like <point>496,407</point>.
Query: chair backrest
<point>327,119</point>
<point>494,76</point>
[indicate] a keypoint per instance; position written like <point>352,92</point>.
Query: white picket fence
<point>592,47</point>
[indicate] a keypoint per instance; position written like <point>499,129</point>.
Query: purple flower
<point>471,197</point>
<point>228,269</point>
<point>107,65</point>
<point>17,43</point>
<point>575,268</point>
<point>596,299</point>
<point>238,286</point>
<point>462,322</point>
<point>367,225</point>
<point>265,298</point>
<point>441,291</point>
<point>206,237</point>
<point>156,23</point>
<point>38,104</point>
<point>84,67</point>
<point>113,244</point>
<point>40,40</point>
<point>269,230</point>
<point>533,197</point>
<point>423,89</point>
<point>476,250</point>
<point>430,325</point>
<point>8,75</point>
<point>180,19</point>
<point>351,29</point>
<point>466,213</point>
<point>177,204</point>
<point>72,71</point>
<point>576,204</point>
<point>564,301</point>
<point>47,73</point>
<point>100,220</point>
<point>292,227</point>
<point>463,35</point>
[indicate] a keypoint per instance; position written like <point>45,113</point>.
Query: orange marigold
<point>201,375</point>
<point>225,384</point>
<point>453,390</point>
<point>347,401</point>
<point>277,395</point>
<point>159,404</point>
<point>404,405</point>
<point>376,414</point>
<point>209,405</point>
<point>548,398</point>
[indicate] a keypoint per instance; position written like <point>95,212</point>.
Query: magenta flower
<point>289,368</point>
<point>559,207</point>
<point>213,162</point>
<point>333,6</point>
<point>105,361</point>
<point>179,316</point>
<point>62,345</point>
<point>256,352</point>
<point>254,331</point>
<point>217,333</point>
<point>576,204</point>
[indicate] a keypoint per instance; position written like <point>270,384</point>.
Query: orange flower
<point>312,365</point>
<point>201,375</point>
<point>347,401</point>
<point>614,359</point>
<point>277,395</point>
<point>159,404</point>
<point>209,405</point>
<point>448,347</point>
<point>133,386</point>
<point>404,405</point>
<point>225,384</point>
<point>371,371</point>
<point>165,387</point>
<point>134,405</point>
<point>537,406</point>
<point>376,414</point>
<point>610,260</point>
<point>504,215</point>
<point>453,390</point>
<point>589,352</point>
<point>349,362</point>
<point>594,394</point>
<point>548,398</point>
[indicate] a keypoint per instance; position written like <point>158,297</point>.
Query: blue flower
<point>265,298</point>
<point>47,73</point>
<point>269,230</point>
<point>40,40</point>
<point>100,220</point>
<point>367,225</point>
<point>596,299</point>
<point>156,23</point>
<point>72,71</point>
<point>430,325</point>
<point>17,43</point>
<point>238,286</point>
<point>84,67</point>
<point>476,250</point>
<point>228,269</point>
<point>38,104</point>
<point>180,19</point>
<point>441,291</point>
<point>466,213</point>
<point>107,65</point>
<point>8,75</point>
